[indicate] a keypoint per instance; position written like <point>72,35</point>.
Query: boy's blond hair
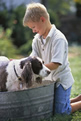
<point>33,13</point>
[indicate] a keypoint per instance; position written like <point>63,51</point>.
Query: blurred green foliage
<point>20,33</point>
<point>19,36</point>
<point>26,48</point>
<point>77,1</point>
<point>6,46</point>
<point>59,6</point>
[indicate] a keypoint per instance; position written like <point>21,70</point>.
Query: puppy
<point>18,74</point>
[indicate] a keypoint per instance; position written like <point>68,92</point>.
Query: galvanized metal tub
<point>27,105</point>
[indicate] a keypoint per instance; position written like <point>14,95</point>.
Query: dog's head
<point>37,65</point>
<point>32,65</point>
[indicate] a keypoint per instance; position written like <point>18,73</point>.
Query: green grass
<point>75,65</point>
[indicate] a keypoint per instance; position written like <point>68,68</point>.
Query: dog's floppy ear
<point>27,73</point>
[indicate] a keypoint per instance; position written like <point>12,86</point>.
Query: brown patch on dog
<point>27,74</point>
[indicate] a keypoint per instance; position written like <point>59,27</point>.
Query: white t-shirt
<point>54,49</point>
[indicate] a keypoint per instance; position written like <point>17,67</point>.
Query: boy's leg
<point>75,106</point>
<point>76,99</point>
<point>76,103</point>
<point>62,100</point>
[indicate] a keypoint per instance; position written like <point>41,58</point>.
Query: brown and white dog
<point>18,74</point>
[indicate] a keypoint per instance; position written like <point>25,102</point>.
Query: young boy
<point>51,45</point>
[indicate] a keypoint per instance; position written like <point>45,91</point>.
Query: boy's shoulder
<point>58,34</point>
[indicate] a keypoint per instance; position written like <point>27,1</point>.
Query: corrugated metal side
<point>28,105</point>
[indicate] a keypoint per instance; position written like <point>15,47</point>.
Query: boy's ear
<point>42,18</point>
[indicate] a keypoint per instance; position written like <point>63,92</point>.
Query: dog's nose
<point>48,72</point>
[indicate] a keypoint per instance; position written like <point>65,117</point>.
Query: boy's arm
<point>52,65</point>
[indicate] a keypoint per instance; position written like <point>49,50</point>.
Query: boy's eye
<point>33,27</point>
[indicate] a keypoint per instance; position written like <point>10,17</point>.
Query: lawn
<point>75,64</point>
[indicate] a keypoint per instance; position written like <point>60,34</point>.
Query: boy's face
<point>37,27</point>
